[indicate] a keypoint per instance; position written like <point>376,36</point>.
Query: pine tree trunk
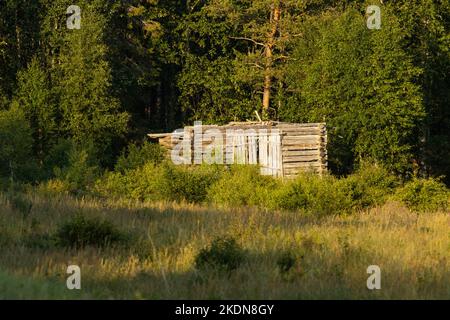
<point>275,19</point>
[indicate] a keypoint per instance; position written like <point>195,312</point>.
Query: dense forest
<point>140,66</point>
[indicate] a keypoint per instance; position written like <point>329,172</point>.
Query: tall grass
<point>287,255</point>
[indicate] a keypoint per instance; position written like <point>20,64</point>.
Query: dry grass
<point>332,253</point>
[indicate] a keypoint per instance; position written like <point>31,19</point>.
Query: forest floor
<point>331,253</point>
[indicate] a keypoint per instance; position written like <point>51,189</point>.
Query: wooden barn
<point>281,149</point>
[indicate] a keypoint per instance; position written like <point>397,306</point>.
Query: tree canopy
<point>136,66</point>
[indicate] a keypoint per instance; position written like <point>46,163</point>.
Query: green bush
<point>223,254</point>
<point>138,155</point>
<point>81,231</point>
<point>286,261</point>
<point>19,203</point>
<point>190,184</point>
<point>16,141</point>
<point>242,186</point>
<point>423,195</point>
<point>111,184</point>
<point>312,193</point>
<point>369,186</point>
<point>58,156</point>
<point>160,182</point>
<point>81,171</point>
<point>40,241</point>
<point>145,183</point>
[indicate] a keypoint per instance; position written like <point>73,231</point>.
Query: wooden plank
<point>300,125</point>
<point>276,154</point>
<point>270,156</point>
<point>302,138</point>
<point>159,135</point>
<point>302,165</point>
<point>299,146</point>
<point>296,171</point>
<point>289,153</point>
<point>279,157</point>
<point>301,159</point>
<point>301,131</point>
<point>263,150</point>
<point>239,143</point>
<point>252,149</point>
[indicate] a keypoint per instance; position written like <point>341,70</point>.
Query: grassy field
<point>331,254</point>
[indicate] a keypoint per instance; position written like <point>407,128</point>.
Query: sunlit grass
<point>333,253</point>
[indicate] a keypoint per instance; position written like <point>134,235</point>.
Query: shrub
<point>81,171</point>
<point>138,155</point>
<point>242,186</point>
<point>146,183</point>
<point>40,241</point>
<point>424,195</point>
<point>19,203</point>
<point>81,231</point>
<point>190,184</point>
<point>54,187</point>
<point>369,186</point>
<point>58,156</point>
<point>286,262</point>
<point>160,182</point>
<point>223,254</point>
<point>312,193</point>
<point>112,184</point>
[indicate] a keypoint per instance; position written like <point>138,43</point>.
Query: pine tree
<point>81,75</point>
<point>19,40</point>
<point>362,83</point>
<point>426,24</point>
<point>16,158</point>
<point>241,47</point>
<point>35,97</point>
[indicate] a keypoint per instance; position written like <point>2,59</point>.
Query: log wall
<point>281,149</point>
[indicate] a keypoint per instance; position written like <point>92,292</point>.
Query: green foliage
<point>19,40</point>
<point>138,155</point>
<point>362,83</point>
<point>18,202</point>
<point>41,241</point>
<point>224,254</point>
<point>89,110</point>
<point>160,182</point>
<point>426,25</point>
<point>242,186</point>
<point>13,287</point>
<point>424,195</point>
<point>142,184</point>
<point>236,186</point>
<point>286,261</point>
<point>35,98</point>
<point>218,96</point>
<point>189,184</point>
<point>383,93</point>
<point>58,156</point>
<point>369,186</point>
<point>81,170</point>
<point>5,235</point>
<point>311,193</point>
<point>16,160</point>
<point>80,232</point>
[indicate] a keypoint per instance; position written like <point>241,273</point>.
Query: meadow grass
<point>330,253</point>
